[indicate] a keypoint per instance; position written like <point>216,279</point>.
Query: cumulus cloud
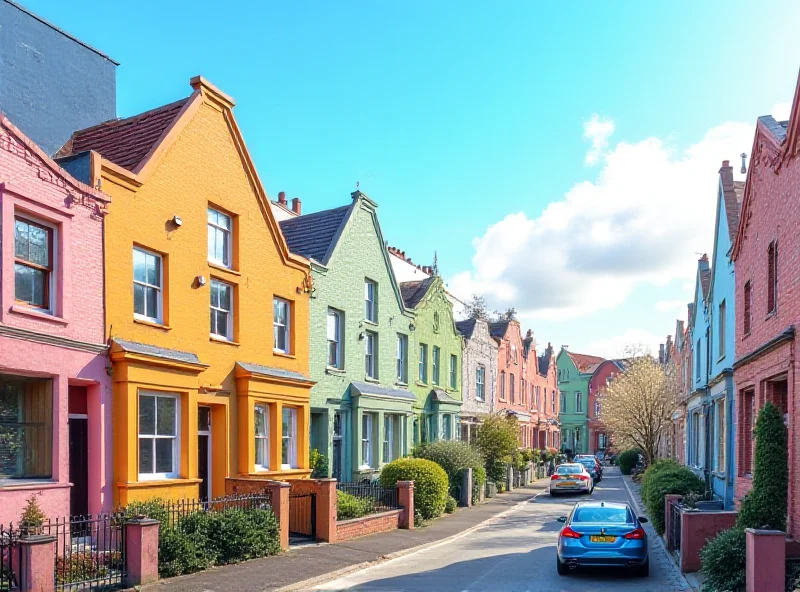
<point>650,209</point>
<point>780,111</point>
<point>670,305</point>
<point>616,345</point>
<point>598,130</point>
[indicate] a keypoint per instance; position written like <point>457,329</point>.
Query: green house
<point>574,373</point>
<point>437,377</point>
<point>361,353</point>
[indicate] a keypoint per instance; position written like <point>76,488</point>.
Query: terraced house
<point>696,411</point>
<point>437,380</point>
<point>512,384</point>
<point>478,374</point>
<point>207,309</point>
<point>362,354</point>
<point>574,373</point>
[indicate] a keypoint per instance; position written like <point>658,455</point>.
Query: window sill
<point>370,323</point>
<point>22,484</point>
<point>746,335</point>
<point>335,371</point>
<point>402,384</point>
<point>719,359</point>
<point>223,269</point>
<point>420,383</point>
<point>145,482</point>
<point>283,354</point>
<point>774,313</point>
<point>372,380</point>
<point>38,314</point>
<point>217,339</point>
<point>153,324</point>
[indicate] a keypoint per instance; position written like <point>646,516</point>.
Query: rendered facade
<point>478,374</point>
<point>574,373</point>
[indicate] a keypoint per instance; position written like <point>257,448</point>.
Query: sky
<point>560,160</point>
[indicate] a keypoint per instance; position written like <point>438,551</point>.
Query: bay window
<point>158,435</point>
<point>366,440</point>
<point>261,433</point>
<point>289,439</point>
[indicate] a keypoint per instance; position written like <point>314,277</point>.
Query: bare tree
<point>637,405</point>
<point>476,307</point>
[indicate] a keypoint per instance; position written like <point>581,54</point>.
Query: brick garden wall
<point>358,527</point>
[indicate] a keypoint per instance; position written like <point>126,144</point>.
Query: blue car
<point>602,534</point>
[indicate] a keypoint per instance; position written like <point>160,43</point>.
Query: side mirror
<point>642,520</point>
<point>561,519</point>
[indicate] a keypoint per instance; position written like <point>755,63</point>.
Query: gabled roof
<point>466,327</point>
<point>314,235</point>
<point>544,360</point>
<point>497,329</point>
<point>777,128</point>
<point>414,292</point>
<point>732,192</point>
<point>584,362</point>
<point>705,281</point>
<point>125,142</point>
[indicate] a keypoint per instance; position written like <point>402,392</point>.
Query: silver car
<point>571,477</point>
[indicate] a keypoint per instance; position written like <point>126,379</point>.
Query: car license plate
<point>566,484</point>
<point>597,538</point>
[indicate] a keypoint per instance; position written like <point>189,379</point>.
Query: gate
<point>675,525</point>
<point>303,515</point>
<point>90,551</point>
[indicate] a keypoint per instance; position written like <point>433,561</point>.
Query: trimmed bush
<point>673,478</point>
<point>179,553</point>
<point>454,456</point>
<point>497,439</point>
<point>627,460</point>
<point>430,483</point>
<point>350,506</point>
<point>450,505</point>
<point>318,463</point>
<point>765,505</point>
<point>724,559</point>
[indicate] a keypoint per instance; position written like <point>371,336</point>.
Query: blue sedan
<point>602,534</point>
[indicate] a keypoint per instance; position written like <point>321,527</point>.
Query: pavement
<point>304,567</point>
<point>515,552</point>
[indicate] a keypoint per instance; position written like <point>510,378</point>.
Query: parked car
<point>591,464</point>
<point>580,457</point>
<point>602,534</point>
<point>571,477</point>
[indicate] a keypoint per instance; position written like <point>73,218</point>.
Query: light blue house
<point>697,403</point>
<point>722,323</point>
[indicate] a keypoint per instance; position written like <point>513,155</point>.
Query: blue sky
<point>466,122</point>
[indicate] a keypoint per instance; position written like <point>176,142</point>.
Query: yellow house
<point>206,308</point>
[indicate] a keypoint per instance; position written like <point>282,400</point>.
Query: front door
<point>204,451</point>
<point>337,446</point>
<point>79,465</point>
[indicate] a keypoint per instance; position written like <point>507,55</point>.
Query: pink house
<point>55,396</point>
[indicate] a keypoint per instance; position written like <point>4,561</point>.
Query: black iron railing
<point>675,509</point>
<point>10,556</point>
<point>173,511</point>
<point>378,497</point>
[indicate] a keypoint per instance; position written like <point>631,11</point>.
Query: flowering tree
<point>638,404</point>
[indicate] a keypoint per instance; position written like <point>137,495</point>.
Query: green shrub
<point>430,483</point>
<point>627,460</point>
<point>497,439</point>
<point>672,479</point>
<point>765,505</point>
<point>454,456</point>
<point>318,463</point>
<point>179,553</point>
<point>154,508</point>
<point>239,535</point>
<point>724,559</point>
<point>450,505</point>
<point>478,483</point>
<point>350,506</point>
<point>649,476</point>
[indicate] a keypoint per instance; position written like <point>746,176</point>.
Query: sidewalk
<point>315,561</point>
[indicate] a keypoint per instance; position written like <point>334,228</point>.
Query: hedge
<point>724,558</point>
<point>430,483</point>
<point>669,477</point>
<point>627,460</point>
<point>454,456</point>
<point>350,506</point>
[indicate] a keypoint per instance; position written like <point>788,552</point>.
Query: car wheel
<point>552,493</point>
<point>644,571</point>
<point>561,567</point>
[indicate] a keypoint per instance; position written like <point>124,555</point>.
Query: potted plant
<point>32,520</point>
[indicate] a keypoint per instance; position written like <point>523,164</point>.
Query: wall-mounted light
<point>177,221</point>
<point>411,326</point>
<point>201,280</point>
<point>361,336</point>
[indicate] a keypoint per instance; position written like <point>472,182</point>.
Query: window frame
<point>511,388</point>
<point>578,402</point>
<point>338,337</point>
<point>401,358</point>
<point>367,427</point>
<point>216,227</point>
<point>721,437</point>
<point>21,422</point>
<point>436,365</point>
<point>453,371</point>
<point>176,438</point>
<point>371,355</point>
<point>480,383</point>
<point>722,311</point>
<point>502,385</point>
<point>747,314</point>
<point>423,363</point>
<point>276,326</point>
<point>265,437</point>
<point>49,270</point>
<point>159,318</point>
<point>387,445</point>
<point>772,277</point>
<point>229,319</point>
<point>370,301</point>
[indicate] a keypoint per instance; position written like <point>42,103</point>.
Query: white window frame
<point>285,327</point>
<point>229,324</point>
<point>480,383</point>
<point>436,365</point>
<point>366,440</point>
<point>402,358</point>
<point>447,426</point>
<point>147,286</point>
<point>453,371</point>
<point>264,438</point>
<point>215,228</point>
<point>292,448</point>
<point>423,363</point>
<point>176,444</point>
<point>371,355</point>
<point>370,301</point>
<point>335,341</point>
<point>388,438</point>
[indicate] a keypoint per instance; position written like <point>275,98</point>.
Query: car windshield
<point>586,462</point>
<point>602,514</point>
<point>568,470</point>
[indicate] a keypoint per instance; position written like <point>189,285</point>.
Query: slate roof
<point>705,281</point>
<point>367,388</point>
<point>158,352</point>
<point>777,128</point>
<point>466,327</point>
<point>125,142</point>
<point>585,363</point>
<point>274,372</point>
<point>544,361</point>
<point>497,329</point>
<point>439,396</point>
<point>313,235</point>
<point>414,292</point>
<point>732,192</point>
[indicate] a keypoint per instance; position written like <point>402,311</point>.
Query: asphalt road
<point>515,552</point>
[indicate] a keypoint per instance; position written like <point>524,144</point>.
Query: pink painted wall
<point>65,344</point>
<point>697,528</point>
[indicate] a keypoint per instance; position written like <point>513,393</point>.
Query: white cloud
<point>616,345</point>
<point>641,221</point>
<point>780,111</point>
<point>670,305</point>
<point>598,130</point>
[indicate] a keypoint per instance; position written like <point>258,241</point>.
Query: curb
<point>640,511</point>
<point>334,575</point>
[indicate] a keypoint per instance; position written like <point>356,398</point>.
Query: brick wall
<point>358,527</point>
<point>479,350</point>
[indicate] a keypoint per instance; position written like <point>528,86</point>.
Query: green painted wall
<point>435,327</point>
<point>359,254</point>
<point>570,382</point>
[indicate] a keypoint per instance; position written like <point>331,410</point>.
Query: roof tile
<point>312,235</point>
<point>414,292</point>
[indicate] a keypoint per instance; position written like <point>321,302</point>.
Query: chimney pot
<point>296,207</point>
<point>282,197</point>
<point>726,164</point>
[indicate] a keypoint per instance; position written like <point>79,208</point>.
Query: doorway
<point>204,451</point>
<point>78,426</point>
<point>337,446</point>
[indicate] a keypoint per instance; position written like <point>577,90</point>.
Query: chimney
<point>726,164</point>
<point>282,198</point>
<point>661,357</point>
<point>295,205</point>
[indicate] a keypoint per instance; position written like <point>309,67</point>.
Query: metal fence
<point>674,535</point>
<point>10,558</point>
<point>173,511</point>
<point>90,551</point>
<point>382,498</point>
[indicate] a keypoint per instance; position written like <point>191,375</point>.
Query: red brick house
<point>512,374</point>
<point>548,428</point>
<point>767,302</point>
<point>599,436</point>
